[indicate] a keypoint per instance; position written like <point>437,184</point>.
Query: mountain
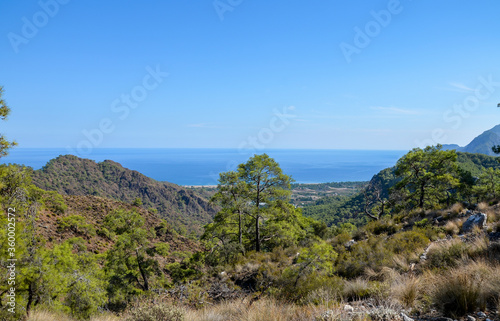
<point>481,144</point>
<point>184,209</point>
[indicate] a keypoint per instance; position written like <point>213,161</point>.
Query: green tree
<point>255,211</point>
<point>4,112</point>
<point>129,263</point>
<point>231,197</point>
<point>426,175</point>
<point>488,184</point>
<point>266,188</point>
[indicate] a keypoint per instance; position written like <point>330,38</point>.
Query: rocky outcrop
<point>478,219</point>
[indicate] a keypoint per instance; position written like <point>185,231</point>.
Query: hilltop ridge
<point>481,144</point>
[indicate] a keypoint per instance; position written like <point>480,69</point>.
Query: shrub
<point>77,224</point>
<point>156,312</point>
<point>162,249</point>
<point>422,223</point>
<point>359,289</point>
<point>407,242</point>
<point>137,202</point>
<point>54,201</point>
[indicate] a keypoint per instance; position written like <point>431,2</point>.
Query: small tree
<point>488,184</point>
<point>426,175</point>
<point>375,203</point>
<point>128,265</point>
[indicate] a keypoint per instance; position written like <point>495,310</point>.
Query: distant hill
<point>69,175</point>
<point>481,144</point>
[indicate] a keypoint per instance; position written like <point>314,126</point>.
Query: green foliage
<point>408,242</point>
<point>137,201</point>
<point>422,223</point>
<point>426,176</point>
<point>77,224</point>
<point>129,264</point>
<point>162,249</point>
<point>488,184</point>
<point>4,112</point>
<point>53,201</point>
<point>369,253</point>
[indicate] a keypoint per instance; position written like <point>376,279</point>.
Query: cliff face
<point>70,175</point>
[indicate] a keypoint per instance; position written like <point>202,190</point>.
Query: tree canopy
<point>427,176</point>
<point>255,212</point>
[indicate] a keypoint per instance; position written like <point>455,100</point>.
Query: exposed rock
<point>442,319</point>
<point>350,243</point>
<point>405,317</point>
<point>478,220</point>
<point>470,318</point>
<point>481,315</point>
<point>348,308</point>
<point>327,315</point>
<point>494,236</point>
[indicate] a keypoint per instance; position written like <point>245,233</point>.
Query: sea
<point>201,166</point>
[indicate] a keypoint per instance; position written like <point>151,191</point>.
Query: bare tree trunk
<point>143,273</point>
<point>257,230</point>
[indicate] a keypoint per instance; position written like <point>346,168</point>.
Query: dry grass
<point>456,208</point>
<point>453,227</point>
<point>464,289</point>
<point>43,315</point>
<point>261,310</point>
<point>406,290</point>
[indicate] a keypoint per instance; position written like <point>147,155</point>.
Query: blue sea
<point>202,166</point>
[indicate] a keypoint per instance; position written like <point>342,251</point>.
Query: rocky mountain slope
<point>481,144</point>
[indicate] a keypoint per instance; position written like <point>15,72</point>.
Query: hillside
<point>57,208</point>
<point>338,209</point>
<point>69,175</point>
<point>481,144</point>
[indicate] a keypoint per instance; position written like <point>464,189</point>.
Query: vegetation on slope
<point>69,175</point>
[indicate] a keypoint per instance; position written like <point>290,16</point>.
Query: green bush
<point>422,223</point>
<point>408,242</point>
<point>54,202</point>
<point>77,224</point>
<point>381,227</point>
<point>162,249</point>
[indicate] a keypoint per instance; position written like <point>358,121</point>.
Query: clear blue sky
<point>232,64</point>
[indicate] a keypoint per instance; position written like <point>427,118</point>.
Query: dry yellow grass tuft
<point>464,289</point>
<point>42,315</point>
<point>264,309</point>
<point>452,227</point>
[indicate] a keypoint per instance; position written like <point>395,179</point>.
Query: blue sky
<point>249,74</point>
